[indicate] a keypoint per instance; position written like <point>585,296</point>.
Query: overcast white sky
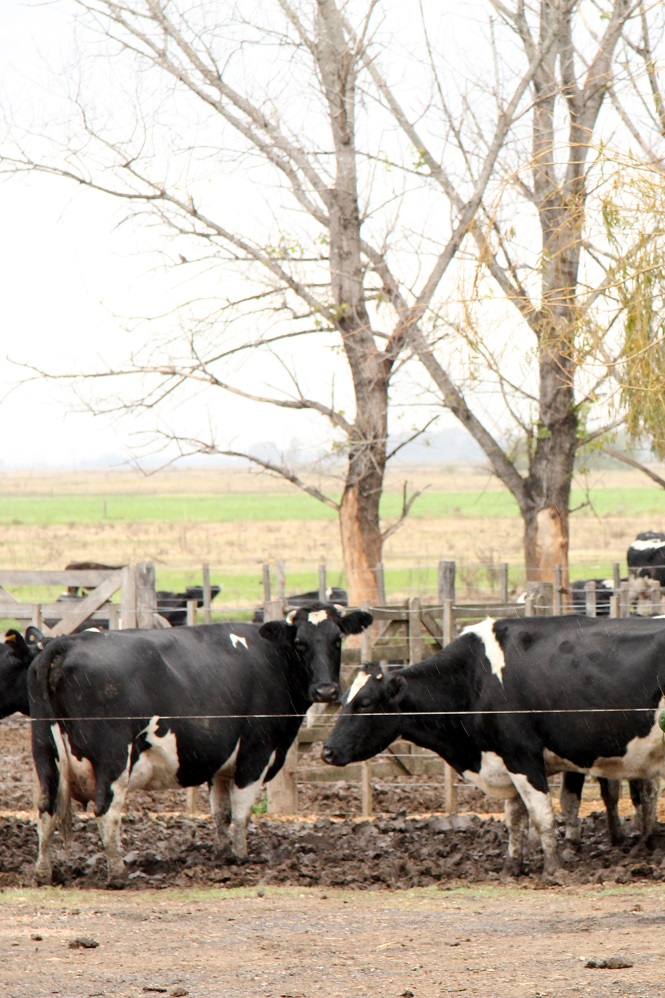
<point>65,272</point>
<point>51,259</point>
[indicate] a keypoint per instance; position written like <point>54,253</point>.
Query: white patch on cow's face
<point>237,640</point>
<point>156,767</point>
<point>77,774</point>
<point>493,778</point>
<point>651,545</point>
<point>357,685</point>
<point>317,617</point>
<point>493,650</point>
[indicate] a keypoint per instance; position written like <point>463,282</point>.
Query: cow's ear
<point>396,688</point>
<point>355,622</point>
<point>17,643</point>
<point>273,630</point>
<point>34,637</point>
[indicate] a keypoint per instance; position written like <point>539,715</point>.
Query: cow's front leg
<point>220,805</point>
<point>243,800</point>
<point>541,815</point>
<point>245,792</point>
<point>644,795</point>
<point>517,823</point>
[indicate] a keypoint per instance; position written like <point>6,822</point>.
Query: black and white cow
<point>510,702</point>
<point>646,556</point>
<point>140,709</point>
<point>604,592</point>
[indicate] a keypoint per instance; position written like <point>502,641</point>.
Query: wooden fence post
<point>128,600</point>
<point>146,597</point>
<point>447,597</point>
<point>281,579</point>
<point>415,631</point>
<point>207,597</point>
<point>381,584</point>
<point>557,602</point>
<point>323,582</point>
<point>366,797</point>
<point>282,790</point>
<point>503,582</point>
<point>446,584</point>
<point>590,605</point>
<point>266,584</point>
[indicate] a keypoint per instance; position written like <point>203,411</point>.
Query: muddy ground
<point>410,903</point>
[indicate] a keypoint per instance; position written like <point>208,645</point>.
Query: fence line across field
<point>406,632</point>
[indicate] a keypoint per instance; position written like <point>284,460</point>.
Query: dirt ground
<point>410,903</point>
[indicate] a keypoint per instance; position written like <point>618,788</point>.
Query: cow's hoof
<point>117,881</point>
<point>512,868</point>
<point>554,878</point>
<point>43,876</point>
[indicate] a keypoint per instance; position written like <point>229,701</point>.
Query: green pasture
<point>54,508</point>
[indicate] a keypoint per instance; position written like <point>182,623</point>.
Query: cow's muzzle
<point>326,693</point>
<point>328,755</point>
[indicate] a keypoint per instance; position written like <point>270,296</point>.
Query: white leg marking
<point>570,809</point>
<point>242,802</point>
<point>109,824</point>
<point>541,816</point>
<point>46,825</point>
<point>517,822</point>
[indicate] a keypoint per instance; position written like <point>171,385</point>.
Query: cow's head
<point>315,634</point>
<point>369,720</point>
<point>16,654</point>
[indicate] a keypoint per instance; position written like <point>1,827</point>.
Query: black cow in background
<point>334,594</point>
<point>646,559</point>
<point>16,654</point>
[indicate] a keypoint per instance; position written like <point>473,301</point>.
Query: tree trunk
<point>359,514</point>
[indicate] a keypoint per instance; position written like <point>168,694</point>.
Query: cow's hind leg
<point>220,805</point>
<point>610,791</point>
<point>517,823</point>
<point>571,795</point>
<point>644,795</point>
<point>109,806</point>
<point>52,797</point>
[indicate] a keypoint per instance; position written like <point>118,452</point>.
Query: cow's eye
<point>301,647</point>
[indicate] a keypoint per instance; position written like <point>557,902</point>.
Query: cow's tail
<point>49,748</point>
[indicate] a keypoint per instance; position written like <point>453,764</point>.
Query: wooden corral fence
<point>137,606</point>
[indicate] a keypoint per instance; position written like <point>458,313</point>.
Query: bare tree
<point>541,250</point>
<point>412,206</point>
<point>351,245</point>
